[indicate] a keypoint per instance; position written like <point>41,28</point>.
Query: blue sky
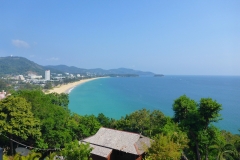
<point>168,37</point>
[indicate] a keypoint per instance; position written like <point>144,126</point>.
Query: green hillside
<point>23,66</point>
<point>19,65</point>
<point>99,71</point>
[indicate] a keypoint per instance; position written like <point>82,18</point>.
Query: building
<point>20,77</point>
<point>2,95</point>
<point>110,144</point>
<point>47,75</point>
<point>34,76</point>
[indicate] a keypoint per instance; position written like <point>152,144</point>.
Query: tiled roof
<point>101,151</point>
<point>107,139</point>
<point>142,144</point>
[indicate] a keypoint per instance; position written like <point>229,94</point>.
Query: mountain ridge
<point>13,65</point>
<point>74,70</point>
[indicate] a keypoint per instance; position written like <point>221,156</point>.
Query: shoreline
<point>67,88</point>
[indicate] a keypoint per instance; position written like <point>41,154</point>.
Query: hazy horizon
<point>170,38</point>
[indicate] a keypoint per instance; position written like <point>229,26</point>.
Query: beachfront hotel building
<point>47,75</point>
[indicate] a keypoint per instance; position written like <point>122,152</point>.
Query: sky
<point>173,37</point>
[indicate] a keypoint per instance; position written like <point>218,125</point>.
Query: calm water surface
<point>116,97</point>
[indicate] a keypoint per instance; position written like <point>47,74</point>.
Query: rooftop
<point>105,140</point>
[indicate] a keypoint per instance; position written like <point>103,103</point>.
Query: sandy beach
<point>68,87</point>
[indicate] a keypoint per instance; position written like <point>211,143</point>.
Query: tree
<point>83,126</point>
<point>61,99</point>
<point>223,150</point>
<point>28,86</point>
<point>157,122</point>
<point>48,85</point>
<point>139,121</point>
<point>169,146</point>
<point>183,108</point>
<point>103,120</point>
<point>143,121</point>
<point>209,111</point>
<point>76,151</point>
<point>54,118</point>
<point>185,114</point>
<point>207,139</point>
<point>234,140</point>
<point>17,120</point>
<point>195,120</point>
<point>237,149</point>
<point>88,126</point>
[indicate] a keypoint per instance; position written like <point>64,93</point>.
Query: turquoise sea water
<point>116,97</point>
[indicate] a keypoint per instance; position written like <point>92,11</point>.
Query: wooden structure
<point>110,144</point>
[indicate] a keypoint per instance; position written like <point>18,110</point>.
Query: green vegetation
<point>169,146</point>
<point>48,85</point>
<point>17,120</point>
<point>31,156</point>
<point>44,121</point>
<point>142,121</point>
<point>195,119</point>
<point>19,65</point>
<point>76,151</point>
<point>3,84</point>
<point>22,66</point>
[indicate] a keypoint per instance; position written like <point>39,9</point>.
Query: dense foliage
<point>195,119</point>
<point>44,121</point>
<point>169,146</point>
<point>76,151</point>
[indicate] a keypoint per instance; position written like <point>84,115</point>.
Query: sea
<point>116,97</point>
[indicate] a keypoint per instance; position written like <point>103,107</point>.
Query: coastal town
<point>33,78</point>
<point>47,82</point>
<point>20,73</point>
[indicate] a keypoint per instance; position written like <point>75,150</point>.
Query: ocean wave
<point>70,90</point>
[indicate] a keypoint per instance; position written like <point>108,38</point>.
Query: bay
<point>116,97</point>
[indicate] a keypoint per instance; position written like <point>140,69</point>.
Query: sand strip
<point>68,87</point>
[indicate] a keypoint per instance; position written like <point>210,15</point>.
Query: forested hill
<point>98,71</point>
<point>20,65</point>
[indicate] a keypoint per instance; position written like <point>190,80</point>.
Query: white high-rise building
<point>47,75</point>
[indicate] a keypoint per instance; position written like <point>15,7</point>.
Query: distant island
<point>158,75</point>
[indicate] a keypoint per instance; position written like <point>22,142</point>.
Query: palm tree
<point>237,147</point>
<point>224,151</point>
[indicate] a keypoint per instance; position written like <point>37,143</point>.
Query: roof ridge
<point>123,131</point>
